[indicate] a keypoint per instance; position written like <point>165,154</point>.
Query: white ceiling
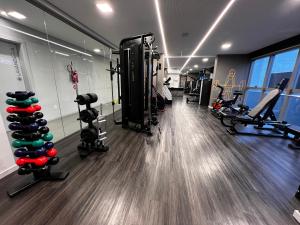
<point>249,24</point>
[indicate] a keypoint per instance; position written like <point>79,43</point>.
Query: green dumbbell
<point>22,143</point>
<point>24,103</point>
<point>48,137</point>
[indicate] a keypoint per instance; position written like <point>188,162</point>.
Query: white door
<point>11,78</point>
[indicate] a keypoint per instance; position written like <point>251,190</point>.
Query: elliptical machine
<point>92,136</point>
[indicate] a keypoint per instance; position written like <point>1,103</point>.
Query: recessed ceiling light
<point>162,32</point>
<point>226,46</point>
<point>3,13</point>
<point>211,29</point>
<point>196,66</point>
<point>205,60</point>
<point>104,7</point>
<point>191,69</point>
<point>17,15</point>
<point>97,50</point>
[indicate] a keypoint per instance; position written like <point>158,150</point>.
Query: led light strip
<point>43,39</point>
<point>161,27</point>
<point>187,56</point>
<point>211,29</point>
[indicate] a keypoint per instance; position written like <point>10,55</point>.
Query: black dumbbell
<point>33,127</point>
<point>26,136</point>
<point>24,170</point>
<point>41,122</point>
<point>82,99</point>
<point>53,161</point>
<point>88,115</point>
<point>93,97</point>
<point>20,95</point>
<point>25,119</point>
<point>89,134</point>
<point>43,130</point>
<point>86,99</point>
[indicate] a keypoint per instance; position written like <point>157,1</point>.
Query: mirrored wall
<point>36,51</point>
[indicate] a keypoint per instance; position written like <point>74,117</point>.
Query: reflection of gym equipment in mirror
<point>35,151</point>
<point>136,73</point>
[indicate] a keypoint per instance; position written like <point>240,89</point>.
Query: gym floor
<point>191,173</point>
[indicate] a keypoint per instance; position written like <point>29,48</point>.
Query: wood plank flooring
<point>192,173</point>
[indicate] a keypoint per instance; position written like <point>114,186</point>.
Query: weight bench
<point>294,130</point>
<point>260,116</point>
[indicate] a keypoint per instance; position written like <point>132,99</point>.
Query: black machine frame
<point>135,71</point>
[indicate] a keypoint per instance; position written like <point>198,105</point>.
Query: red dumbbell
<point>40,161</point>
<point>52,152</point>
<point>29,109</point>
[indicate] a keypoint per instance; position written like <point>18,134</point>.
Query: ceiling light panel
<point>16,15</point>
<point>209,32</point>
<point>226,46</point>
<point>104,7</point>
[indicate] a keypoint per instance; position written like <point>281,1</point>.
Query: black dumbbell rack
<point>92,136</point>
<point>32,140</point>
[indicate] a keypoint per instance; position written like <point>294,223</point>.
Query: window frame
<point>290,90</point>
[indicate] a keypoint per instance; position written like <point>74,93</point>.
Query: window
<point>252,97</point>
<point>282,67</point>
<point>298,82</point>
<point>258,72</point>
<point>293,111</point>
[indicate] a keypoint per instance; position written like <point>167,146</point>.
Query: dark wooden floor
<point>191,173</point>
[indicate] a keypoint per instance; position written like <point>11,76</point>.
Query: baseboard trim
<point>8,171</point>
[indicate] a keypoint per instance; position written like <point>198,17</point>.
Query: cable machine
<point>135,70</point>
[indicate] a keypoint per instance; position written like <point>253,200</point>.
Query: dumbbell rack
<point>92,137</point>
<point>32,139</point>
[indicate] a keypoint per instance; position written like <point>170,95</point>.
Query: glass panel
<point>282,67</point>
<point>293,110</point>
<point>258,72</point>
<point>30,59</point>
<point>252,97</point>
<point>77,49</point>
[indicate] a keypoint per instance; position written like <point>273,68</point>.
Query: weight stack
<point>31,137</point>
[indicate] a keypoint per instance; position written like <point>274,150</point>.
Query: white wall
<point>7,162</point>
<point>223,64</point>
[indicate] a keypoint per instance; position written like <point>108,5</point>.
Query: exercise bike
<point>221,105</point>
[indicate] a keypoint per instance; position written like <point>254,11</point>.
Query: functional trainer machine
<point>32,140</point>
<point>92,136</point>
<point>135,71</point>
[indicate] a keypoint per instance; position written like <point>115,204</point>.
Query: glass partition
<point>35,53</point>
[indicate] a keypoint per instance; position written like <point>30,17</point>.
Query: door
<point>11,78</point>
